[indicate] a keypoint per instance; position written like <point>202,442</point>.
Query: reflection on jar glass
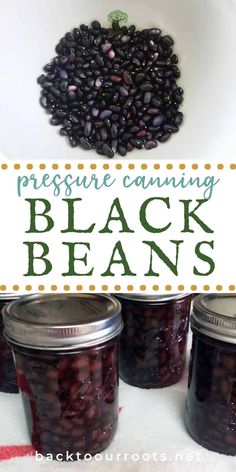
<point>8,383</point>
<point>211,399</point>
<point>153,341</point>
<point>67,369</point>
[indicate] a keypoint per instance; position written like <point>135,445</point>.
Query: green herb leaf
<point>117,16</point>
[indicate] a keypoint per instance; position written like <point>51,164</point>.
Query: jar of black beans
<point>211,399</point>
<point>66,356</point>
<point>153,341</point>
<point>113,91</point>
<point>8,383</point>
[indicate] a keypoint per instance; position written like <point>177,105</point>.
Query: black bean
<point>124,92</point>
<point>126,136</point>
<point>73,141</point>
<point>84,107</point>
<point>63,74</point>
<point>108,151</point>
<point>170,128</point>
<point>44,101</point>
<point>147,97</point>
<point>151,144</point>
<point>98,40</point>
<point>88,129</point>
<point>73,118</point>
<point>115,78</point>
<point>178,98</point>
<point>130,147</point>
<point>138,143</point>
<point>136,62</point>
<point>115,117</point>
<point>157,102</point>
<point>146,87</point>
<point>140,77</point>
<point>164,137</point>
<point>134,129</point>
<point>127,78</point>
<point>167,41</point>
<point>96,24</point>
<point>115,98</point>
<point>115,108</point>
<point>63,132</point>
<point>61,113</point>
<point>63,85</point>
<point>105,114</point>
<point>159,120</point>
<point>86,145</point>
<point>55,120</point>
<point>72,96</point>
<point>41,79</point>
<point>178,118</point>
<point>103,134</point>
<point>128,103</point>
<point>122,150</point>
<point>114,131</point>
<point>176,72</point>
<point>174,59</point>
<point>152,45</point>
<point>153,111</point>
<point>108,121</point>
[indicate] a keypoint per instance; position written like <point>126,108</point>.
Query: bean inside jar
<point>153,341</point>
<point>211,399</point>
<point>69,388</point>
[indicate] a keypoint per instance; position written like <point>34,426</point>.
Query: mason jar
<point>8,383</point>
<point>153,341</point>
<point>66,356</point>
<point>211,398</point>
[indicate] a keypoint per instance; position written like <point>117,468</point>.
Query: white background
<point>205,41</point>
<point>217,213</point>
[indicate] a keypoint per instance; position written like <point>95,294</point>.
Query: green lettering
<point>47,207</point>
<point>71,220</point>
<point>173,266</point>
<point>42,257</point>
<point>143,216</point>
<point>191,214</point>
<point>73,259</point>
<point>121,260</point>
<point>120,217</point>
<point>204,258</point>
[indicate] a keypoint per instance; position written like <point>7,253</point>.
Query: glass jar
<point>66,355</point>
<point>8,383</point>
<point>211,398</point>
<point>153,341</point>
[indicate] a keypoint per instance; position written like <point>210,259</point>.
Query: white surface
<point>205,37</point>
<point>152,421</point>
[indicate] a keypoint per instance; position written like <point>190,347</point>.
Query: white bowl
<point>205,35</point>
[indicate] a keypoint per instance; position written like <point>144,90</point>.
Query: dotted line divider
<point>116,288</point>
<point>93,166</point>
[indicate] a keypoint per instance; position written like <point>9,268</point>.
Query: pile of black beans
<point>211,400</point>
<point>113,93</point>
<point>71,400</point>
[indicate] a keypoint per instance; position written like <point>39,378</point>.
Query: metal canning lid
<point>62,321</point>
<point>150,298</point>
<point>6,296</point>
<point>215,315</point>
